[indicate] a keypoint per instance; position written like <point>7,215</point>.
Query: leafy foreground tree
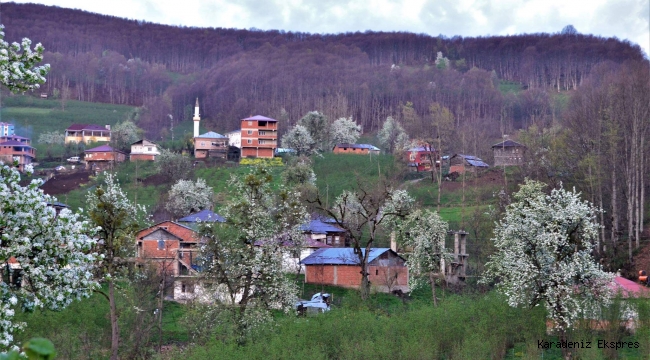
<point>53,252</point>
<point>187,196</point>
<point>17,69</point>
<point>244,256</point>
<point>117,220</point>
<point>544,245</point>
<point>361,213</point>
<point>424,232</point>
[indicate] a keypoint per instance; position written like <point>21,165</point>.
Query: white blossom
<point>299,139</point>
<point>344,131</point>
<point>17,69</point>
<point>50,253</point>
<point>392,136</point>
<point>187,196</point>
<point>544,246</point>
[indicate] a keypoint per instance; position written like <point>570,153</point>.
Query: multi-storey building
<point>13,150</point>
<point>6,129</point>
<point>259,137</point>
<point>87,133</point>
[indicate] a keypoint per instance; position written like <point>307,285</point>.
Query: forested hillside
<point>368,76</point>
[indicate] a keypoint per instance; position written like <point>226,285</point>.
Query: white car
<point>60,168</point>
<point>74,159</point>
<point>318,301</point>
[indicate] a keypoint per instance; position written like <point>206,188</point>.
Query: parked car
<point>74,159</point>
<point>319,302</point>
<point>60,168</point>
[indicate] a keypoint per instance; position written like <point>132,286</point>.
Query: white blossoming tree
<point>51,138</point>
<point>47,255</point>
<point>187,197</point>
<point>18,70</point>
<point>244,255</point>
<point>543,255</point>
<point>361,213</point>
<point>124,134</point>
<point>392,136</point>
<point>117,220</point>
<point>344,131</point>
<point>299,139</point>
<point>423,231</point>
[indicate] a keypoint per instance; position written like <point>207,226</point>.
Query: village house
<point>326,233</point>
<point>210,144</point>
<point>6,129</point>
<point>259,137</point>
<point>234,138</point>
<point>87,133</point>
<point>460,163</point>
<point>340,267</point>
<point>144,150</point>
<point>508,153</point>
<point>419,158</point>
<point>355,149</point>
<point>102,157</point>
<point>20,151</point>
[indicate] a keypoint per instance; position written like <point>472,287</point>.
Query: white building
<point>144,150</point>
<point>234,138</point>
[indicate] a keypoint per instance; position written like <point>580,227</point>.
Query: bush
<point>276,161</point>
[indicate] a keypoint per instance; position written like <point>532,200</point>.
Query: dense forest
<point>368,76</point>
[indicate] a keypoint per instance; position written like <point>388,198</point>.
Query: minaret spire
<point>197,118</point>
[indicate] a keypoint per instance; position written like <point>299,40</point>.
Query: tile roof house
<point>340,267</point>
<point>87,133</point>
<point>102,157</point>
<point>211,144</point>
<point>355,149</point>
<point>460,163</point>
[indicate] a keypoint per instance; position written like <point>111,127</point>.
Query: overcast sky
<point>625,19</point>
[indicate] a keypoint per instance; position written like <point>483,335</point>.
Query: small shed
<point>355,149</point>
<point>460,163</point>
<point>340,267</point>
<point>508,153</point>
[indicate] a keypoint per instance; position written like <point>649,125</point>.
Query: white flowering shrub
<point>244,256</point>
<point>17,69</point>
<point>424,232</point>
<point>392,136</point>
<point>344,131</point>
<point>299,139</point>
<point>187,196</point>
<point>441,61</point>
<point>543,255</point>
<point>53,252</point>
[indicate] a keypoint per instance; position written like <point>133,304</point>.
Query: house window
<point>250,123</point>
<point>161,244</point>
<point>262,132</point>
<point>249,141</point>
<point>328,240</point>
<point>202,143</point>
<point>376,271</point>
<point>261,142</point>
<point>412,157</point>
<point>149,148</point>
<point>337,240</point>
<point>250,132</point>
<point>187,288</point>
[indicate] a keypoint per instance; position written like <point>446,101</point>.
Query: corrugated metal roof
<point>477,163</point>
<point>508,143</point>
<point>14,143</point>
<point>103,148</point>
<point>421,148</point>
<point>259,117</point>
<point>78,127</point>
<point>320,227</point>
<point>203,216</point>
<point>358,146</point>
<point>340,256</point>
<point>212,135</point>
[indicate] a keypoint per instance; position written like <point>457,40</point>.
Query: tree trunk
<point>115,334</point>
<point>432,280</point>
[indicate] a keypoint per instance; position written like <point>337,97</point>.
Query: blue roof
<point>473,160</point>
<point>340,256</point>
<point>211,135</point>
<point>320,227</point>
<point>203,216</point>
<point>422,148</point>
<point>358,146</point>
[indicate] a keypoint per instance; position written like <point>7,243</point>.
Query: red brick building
<point>259,137</point>
<point>102,157</point>
<point>144,150</point>
<point>355,149</point>
<point>172,246</point>
<point>419,158</point>
<point>339,267</point>
<point>17,150</point>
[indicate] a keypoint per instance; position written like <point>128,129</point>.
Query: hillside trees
<point>543,255</point>
<point>117,220</point>
<point>317,124</point>
<point>244,255</point>
<point>46,258</point>
<point>392,136</point>
<point>173,166</point>
<point>344,131</point>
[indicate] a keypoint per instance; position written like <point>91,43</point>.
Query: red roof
<point>629,288</point>
<point>79,127</point>
<point>259,117</point>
